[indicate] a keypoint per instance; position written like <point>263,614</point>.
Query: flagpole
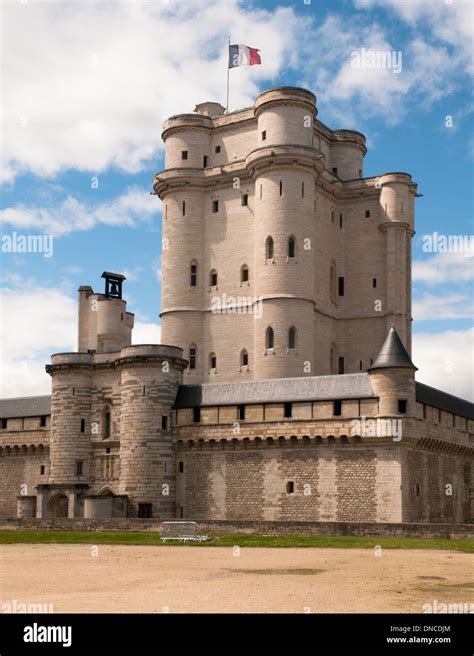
<point>228,71</point>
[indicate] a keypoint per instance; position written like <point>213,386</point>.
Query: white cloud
<point>444,268</point>
<point>439,307</point>
<point>87,86</point>
<point>134,205</point>
<point>445,361</point>
<point>36,322</point>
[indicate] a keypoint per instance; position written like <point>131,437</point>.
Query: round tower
<point>347,154</point>
<point>285,167</point>
<point>150,377</point>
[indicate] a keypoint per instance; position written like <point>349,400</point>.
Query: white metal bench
<point>181,532</point>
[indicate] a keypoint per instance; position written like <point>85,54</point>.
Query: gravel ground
<point>83,578</point>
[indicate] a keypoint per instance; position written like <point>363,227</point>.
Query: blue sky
<point>85,97</point>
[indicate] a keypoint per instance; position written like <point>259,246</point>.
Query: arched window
<point>291,247</point>
<point>332,282</point>
<point>269,338</point>
<point>269,249</point>
<point>212,361</point>
<point>244,273</point>
<point>213,278</point>
<point>244,358</point>
<point>292,338</point>
<point>194,272</point>
<point>192,356</point>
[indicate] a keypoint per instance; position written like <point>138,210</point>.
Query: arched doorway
<point>58,506</point>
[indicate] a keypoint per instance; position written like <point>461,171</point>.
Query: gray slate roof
<point>393,353</point>
<point>311,388</point>
<point>444,401</point>
<point>25,406</point>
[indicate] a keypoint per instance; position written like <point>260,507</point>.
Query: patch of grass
<point>282,541</point>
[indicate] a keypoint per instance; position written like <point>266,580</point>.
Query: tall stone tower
<point>280,259</point>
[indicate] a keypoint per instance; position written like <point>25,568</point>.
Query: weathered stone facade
<point>197,431</point>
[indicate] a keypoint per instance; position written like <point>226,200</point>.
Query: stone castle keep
<point>284,387</point>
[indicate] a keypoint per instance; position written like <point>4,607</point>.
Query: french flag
<point>240,55</point>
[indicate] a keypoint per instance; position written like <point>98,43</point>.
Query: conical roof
<point>393,353</point>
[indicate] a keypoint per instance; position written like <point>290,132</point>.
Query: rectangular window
<point>367,214</point>
<point>214,279</point>
<point>245,275</point>
<point>196,415</point>
<point>181,467</point>
<point>4,423</point>
<point>184,154</point>
<point>290,487</point>
<point>184,208</point>
<point>360,365</point>
<point>240,412</point>
<point>245,360</point>
<point>213,362</point>
<point>261,192</point>
<point>334,171</point>
<point>402,407</point>
<point>192,358</point>
<point>340,220</point>
<point>42,469</point>
<point>205,161</point>
<point>245,200</point>
<point>145,510</point>
<point>264,135</point>
<point>281,187</point>
<point>340,283</point>
<point>107,425</point>
<point>288,410</point>
<point>337,408</point>
<point>43,421</point>
<point>193,275</point>
<point>302,190</point>
<point>215,206</point>
<point>79,467</point>
<point>217,149</point>
<point>164,422</point>
<point>83,425</point>
<point>374,282</point>
<point>341,365</point>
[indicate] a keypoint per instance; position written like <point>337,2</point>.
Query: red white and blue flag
<point>240,55</point>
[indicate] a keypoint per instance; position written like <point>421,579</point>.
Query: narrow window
<point>184,154</point>
<point>42,470</point>
<point>371,362</point>
<point>240,412</point>
<point>213,278</point>
<point>360,365</point>
<point>334,171</point>
<point>439,416</point>
<point>402,407</point>
<point>367,214</point>
<point>244,273</point>
<point>264,135</point>
<point>340,220</point>
<point>213,361</point>
<point>83,425</point>
<point>205,161</point>
<point>261,192</point>
<point>337,408</point>
<point>454,421</point>
<point>43,421</point>
<point>164,422</point>
<point>145,510</point>
<point>194,270</point>
<point>288,410</point>
<point>374,282</point>
<point>196,415</point>
<point>302,190</point>
<point>341,365</point>
<point>269,338</point>
<point>184,208</point>
<point>281,187</point>
<point>417,489</point>
<point>192,357</point>
<point>292,338</point>
<point>290,487</point>
<point>79,467</point>
<point>245,200</point>
<point>144,390</point>
<point>215,206</point>
<point>181,467</point>
<point>107,426</point>
<point>360,173</point>
<point>269,248</point>
<point>4,423</point>
<point>340,284</point>
<point>217,149</point>
<point>291,248</point>
<point>244,359</point>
